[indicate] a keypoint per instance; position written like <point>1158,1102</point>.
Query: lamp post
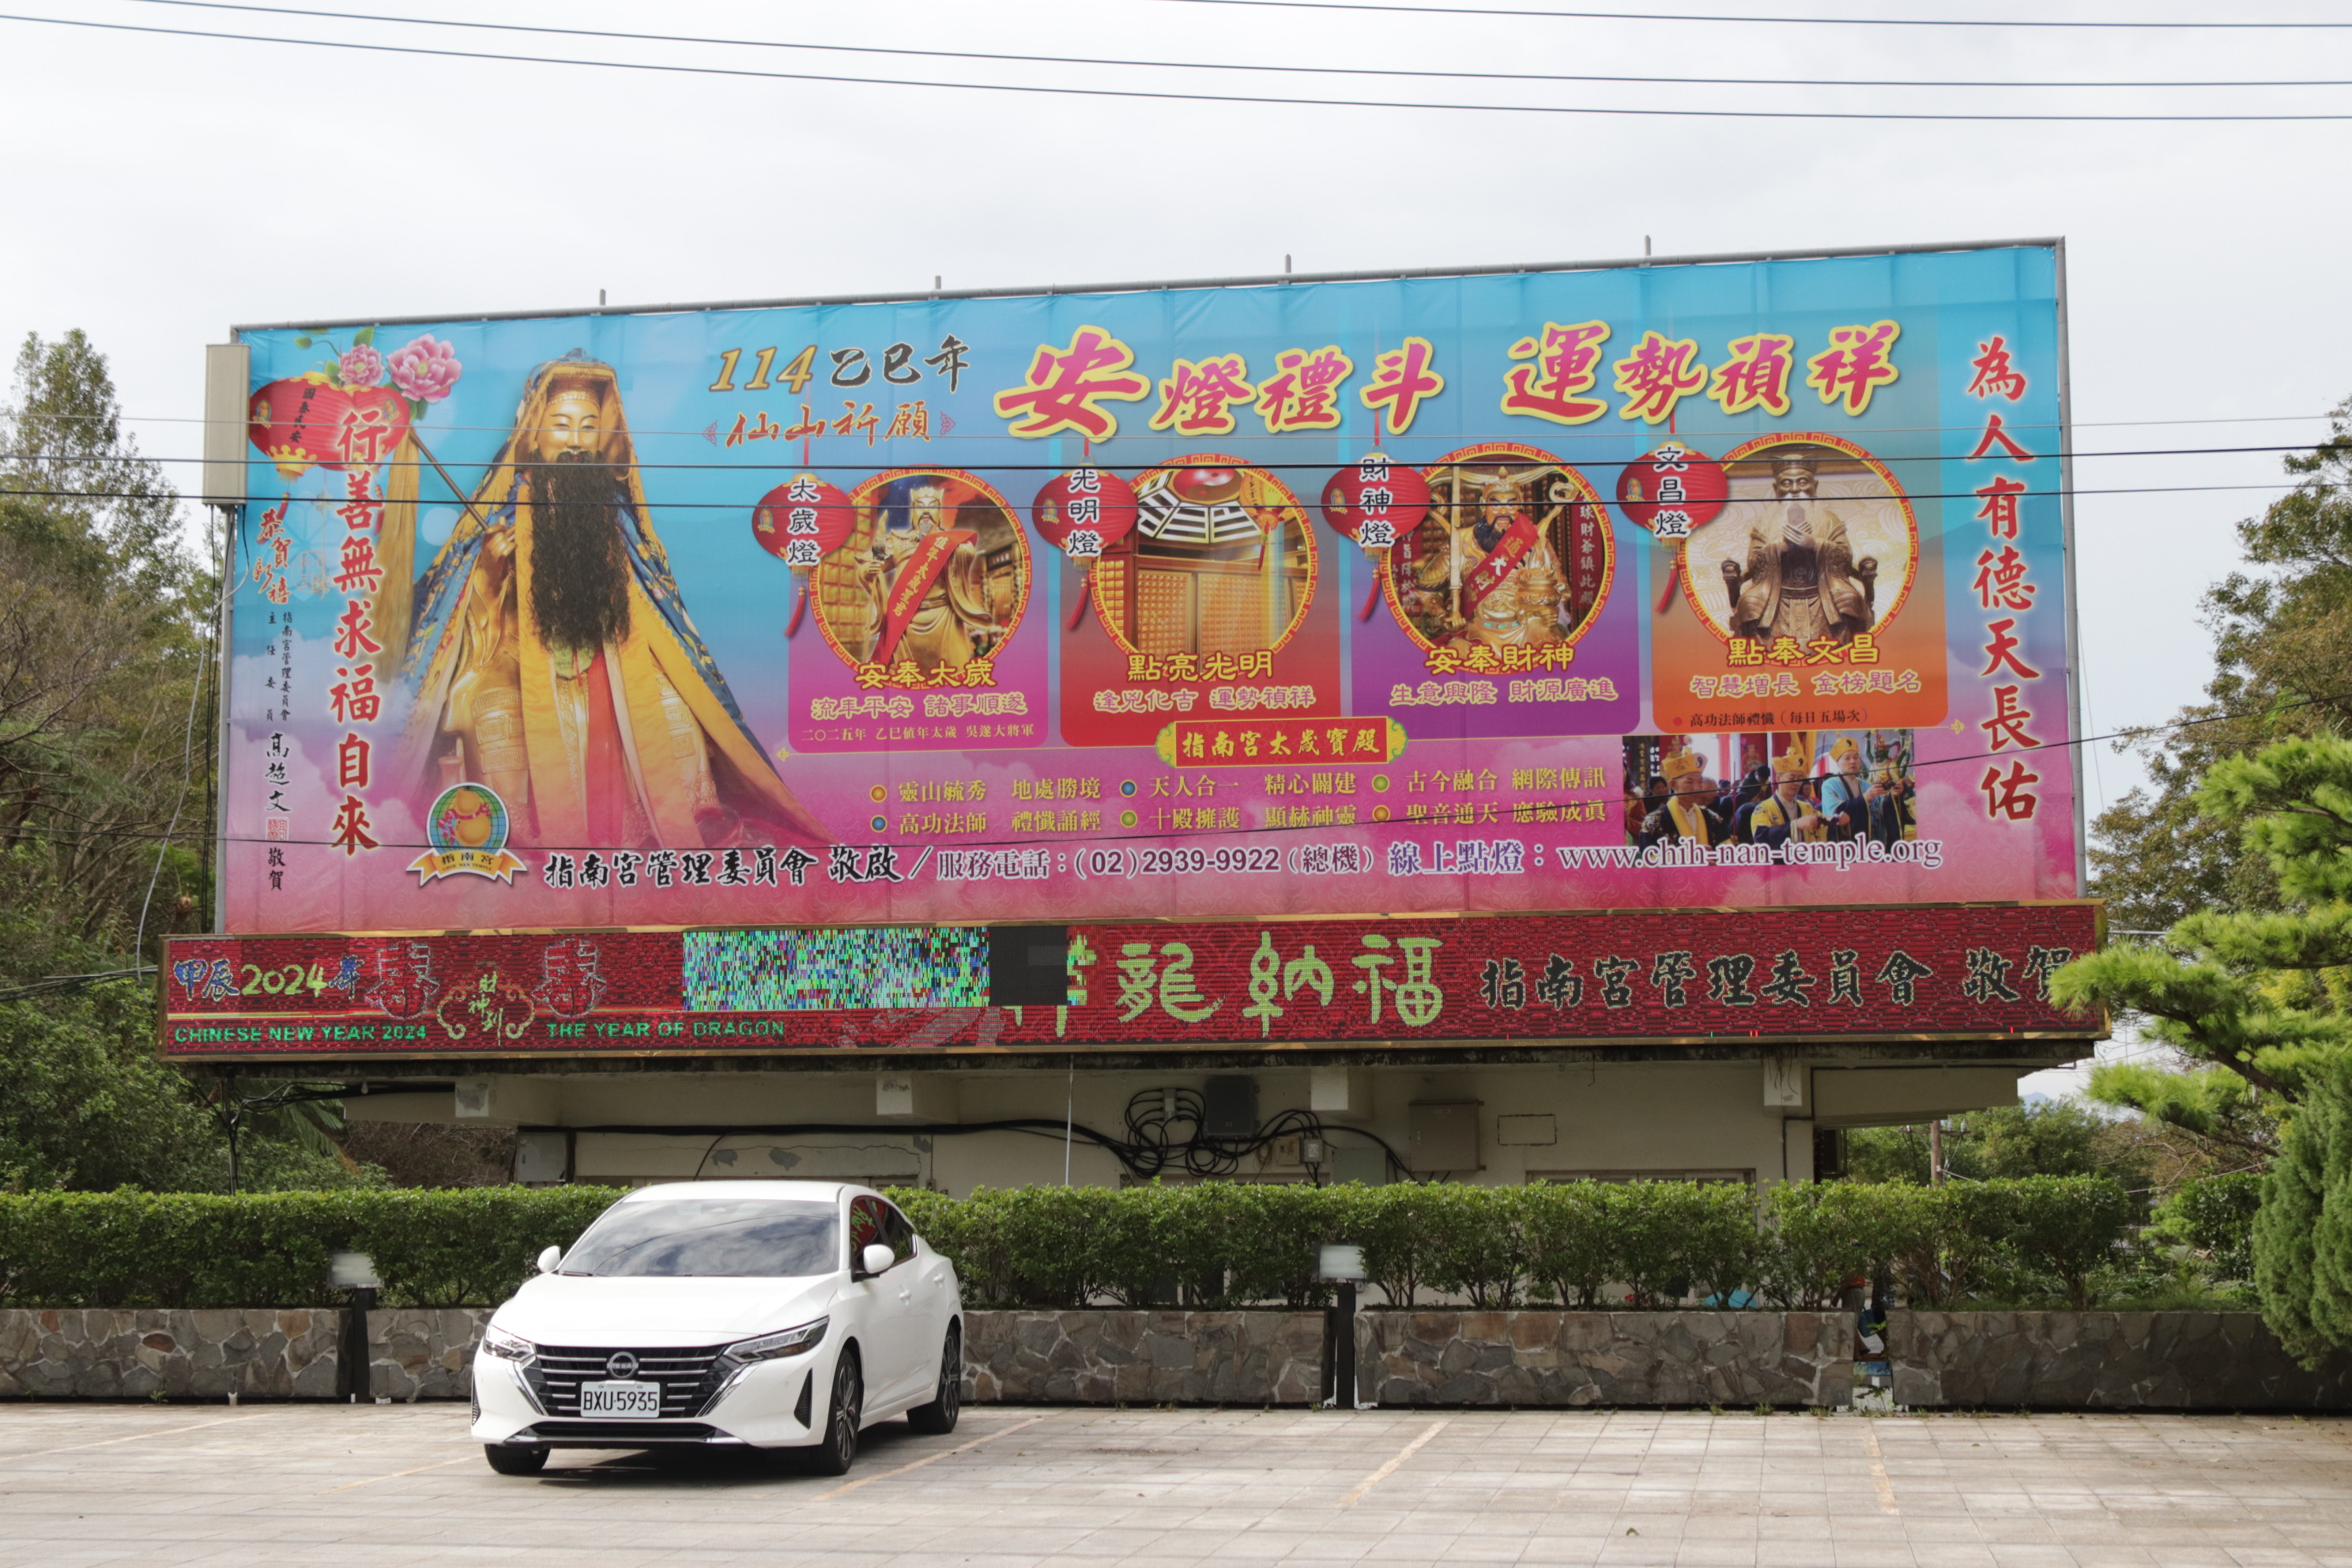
<point>1345,1265</point>
<point>355,1273</point>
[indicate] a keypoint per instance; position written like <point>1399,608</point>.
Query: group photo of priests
<point>1817,786</point>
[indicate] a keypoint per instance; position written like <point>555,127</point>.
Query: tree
<point>2260,993</point>
<point>2283,657</point>
<point>2039,1138</point>
<point>2226,1123</point>
<point>2302,1232</point>
<point>107,635</point>
<point>106,632</point>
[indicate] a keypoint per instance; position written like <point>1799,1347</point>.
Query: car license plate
<point>622,1401</point>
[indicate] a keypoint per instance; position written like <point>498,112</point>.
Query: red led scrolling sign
<point>1957,970</point>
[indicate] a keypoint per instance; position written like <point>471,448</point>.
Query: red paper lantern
<point>1672,490</point>
<point>298,422</point>
<point>1377,502</point>
<point>803,521</point>
<point>1083,513</point>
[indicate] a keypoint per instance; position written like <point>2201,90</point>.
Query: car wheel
<point>938,1418</point>
<point>837,1450</point>
<point>508,1459</point>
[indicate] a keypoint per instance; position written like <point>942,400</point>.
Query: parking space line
<point>1878,1471</point>
<point>1385,1471</point>
<point>133,1438</point>
<point>929,1458</point>
<point>395,1476</point>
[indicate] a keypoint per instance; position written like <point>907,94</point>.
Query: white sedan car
<point>760,1314</point>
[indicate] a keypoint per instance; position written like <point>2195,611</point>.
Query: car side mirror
<point>550,1258</point>
<point>877,1259</point>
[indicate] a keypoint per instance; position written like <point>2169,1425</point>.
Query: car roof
<point>805,1192</point>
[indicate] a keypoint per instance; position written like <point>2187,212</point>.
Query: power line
<point>645,433</point>
<point>674,506</point>
<point>1140,93</point>
<point>1756,21</point>
<point>1205,64</point>
<point>2060,455</point>
<point>1077,842</point>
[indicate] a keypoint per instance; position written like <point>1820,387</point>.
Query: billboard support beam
<point>228,375</point>
<point>1252,281</point>
<point>2074,570</point>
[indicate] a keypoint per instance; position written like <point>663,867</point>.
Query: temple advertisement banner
<point>1798,974</point>
<point>1728,585</point>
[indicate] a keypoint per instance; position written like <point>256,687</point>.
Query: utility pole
<point>1935,1153</point>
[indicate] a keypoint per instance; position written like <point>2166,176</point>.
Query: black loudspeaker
<point>1229,1107</point>
<point>1028,966</point>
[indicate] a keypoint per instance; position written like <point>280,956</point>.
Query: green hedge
<point>437,1248</point>
<point>1584,1244</point>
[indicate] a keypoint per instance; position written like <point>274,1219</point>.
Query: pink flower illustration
<point>361,366</point>
<point>426,368</point>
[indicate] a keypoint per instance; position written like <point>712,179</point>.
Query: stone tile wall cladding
<point>2116,1361</point>
<point>1739,1360</point>
<point>128,1353</point>
<point>1144,1358</point>
<point>424,1352</point>
<point>2104,1361</point>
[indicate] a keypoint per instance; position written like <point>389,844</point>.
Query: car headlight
<point>507,1346</point>
<point>773,1347</point>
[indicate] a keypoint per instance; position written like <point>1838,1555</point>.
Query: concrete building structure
<point>1757,1116</point>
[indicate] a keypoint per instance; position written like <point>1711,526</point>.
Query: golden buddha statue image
<point>550,658</point>
<point>1511,555</point>
<point>934,574</point>
<point>1800,578</point>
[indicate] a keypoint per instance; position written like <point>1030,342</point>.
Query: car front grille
<point>621,1433</point>
<point>688,1376</point>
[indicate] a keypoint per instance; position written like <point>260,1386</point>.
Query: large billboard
<point>1730,584</point>
<point>1789,975</point>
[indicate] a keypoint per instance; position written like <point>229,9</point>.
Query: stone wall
<point>2104,1361</point>
<point>1999,1361</point>
<point>133,1352</point>
<point>1552,1360</point>
<point>1144,1358</point>
<point>424,1352</point>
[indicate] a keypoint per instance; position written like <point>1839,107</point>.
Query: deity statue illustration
<point>932,574</point>
<point>552,659</point>
<point>1800,579</point>
<point>1509,555</point>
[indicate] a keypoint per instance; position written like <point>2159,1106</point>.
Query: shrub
<point>1942,1243</point>
<point>1059,1248</point>
<point>461,1246</point>
<point>1211,1244</point>
<point>1823,1237</point>
<point>1392,1223</point>
<point>1275,1242</point>
<point>2302,1234</point>
<point>2067,1226</point>
<point>1475,1244</point>
<point>1670,1237</point>
<point>2215,1215</point>
<point>1569,1227</point>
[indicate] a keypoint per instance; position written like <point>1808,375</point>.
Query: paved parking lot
<point>315,1485</point>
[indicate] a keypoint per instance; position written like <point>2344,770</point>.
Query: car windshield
<point>740,1238</point>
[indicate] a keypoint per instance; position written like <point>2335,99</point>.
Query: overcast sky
<point>159,189</point>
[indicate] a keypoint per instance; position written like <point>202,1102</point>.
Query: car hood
<point>572,1309</point>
